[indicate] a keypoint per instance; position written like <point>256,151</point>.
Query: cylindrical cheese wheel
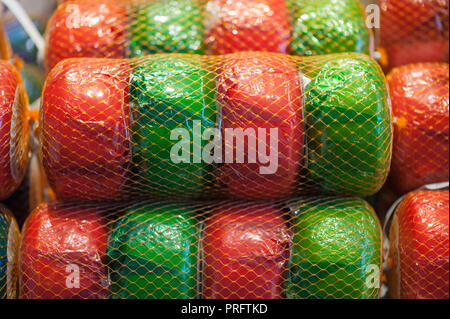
<point>246,251</point>
<point>166,26</point>
<point>9,247</point>
<point>336,250</point>
<point>419,247</point>
<point>251,25</point>
<point>62,254</point>
<point>153,252</point>
<point>349,126</point>
<point>414,31</point>
<point>85,137</point>
<point>86,28</point>
<point>170,93</point>
<point>14,129</point>
<point>328,26</point>
<point>420,103</point>
<point>261,91</point>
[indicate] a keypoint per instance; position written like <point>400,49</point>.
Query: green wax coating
<point>167,26</point>
<point>153,253</point>
<point>349,129</point>
<point>328,26</point>
<point>336,250</point>
<point>168,93</point>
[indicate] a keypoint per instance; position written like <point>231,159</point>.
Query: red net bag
<point>419,247</point>
<point>414,31</point>
<point>14,129</point>
<point>121,28</point>
<point>322,247</point>
<point>420,103</point>
<point>245,125</point>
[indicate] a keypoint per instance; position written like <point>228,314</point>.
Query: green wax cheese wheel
<point>153,253</point>
<point>167,26</point>
<point>328,26</point>
<point>171,93</point>
<point>336,250</point>
<point>349,127</point>
<point>9,243</point>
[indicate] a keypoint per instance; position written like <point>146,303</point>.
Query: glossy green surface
<point>168,93</point>
<point>349,130</point>
<point>167,26</point>
<point>336,250</point>
<point>153,253</point>
<point>328,26</point>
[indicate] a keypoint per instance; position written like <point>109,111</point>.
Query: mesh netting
<point>414,31</point>
<point>419,247</point>
<point>121,28</point>
<point>9,247</point>
<point>420,103</point>
<point>244,125</point>
<point>14,129</point>
<point>303,248</point>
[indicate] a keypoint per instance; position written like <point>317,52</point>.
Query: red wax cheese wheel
<point>245,253</point>
<point>419,247</point>
<point>85,139</point>
<point>62,254</point>
<point>420,103</point>
<point>399,18</point>
<point>251,25</point>
<point>261,91</point>
<point>86,28</point>
<point>414,31</point>
<point>14,130</point>
<point>407,52</point>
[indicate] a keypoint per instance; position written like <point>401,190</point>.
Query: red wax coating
<point>56,240</point>
<point>245,253</point>
<point>420,103</point>
<point>85,128</point>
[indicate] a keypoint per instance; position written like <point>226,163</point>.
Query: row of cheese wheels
<point>119,29</point>
<point>304,248</point>
<point>109,128</point>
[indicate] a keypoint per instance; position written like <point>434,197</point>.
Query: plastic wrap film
<point>414,31</point>
<point>419,247</point>
<point>134,28</point>
<point>420,103</point>
<point>246,125</point>
<point>14,129</point>
<point>9,248</point>
<point>320,247</point>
